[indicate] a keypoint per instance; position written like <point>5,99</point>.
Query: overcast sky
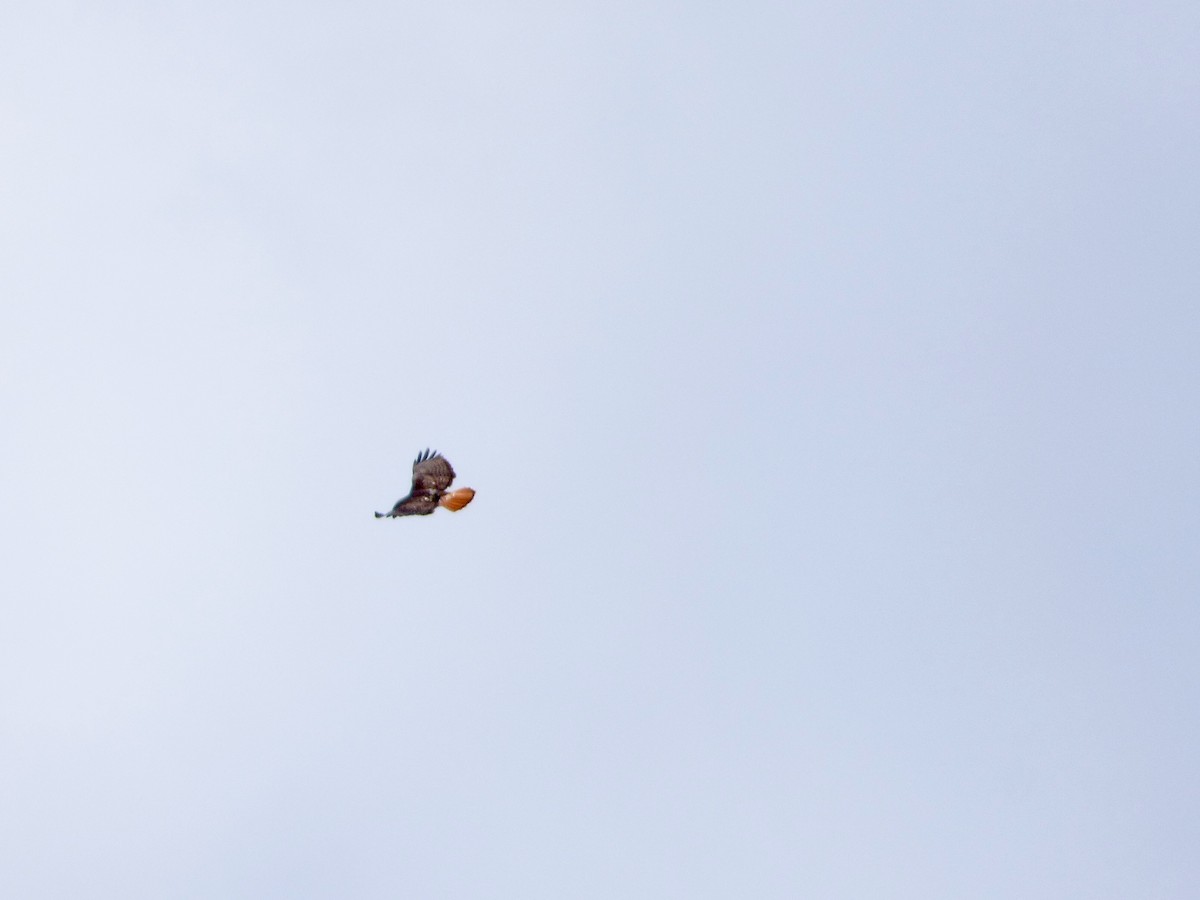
<point>828,375</point>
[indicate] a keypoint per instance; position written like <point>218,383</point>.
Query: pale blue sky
<point>827,375</point>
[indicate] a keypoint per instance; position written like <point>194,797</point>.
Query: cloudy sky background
<point>827,375</point>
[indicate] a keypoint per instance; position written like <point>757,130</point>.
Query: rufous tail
<point>456,500</point>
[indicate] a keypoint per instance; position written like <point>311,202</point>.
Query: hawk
<point>431,478</point>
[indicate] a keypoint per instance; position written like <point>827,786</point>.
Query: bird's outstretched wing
<point>432,473</point>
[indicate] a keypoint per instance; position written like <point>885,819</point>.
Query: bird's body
<point>432,476</point>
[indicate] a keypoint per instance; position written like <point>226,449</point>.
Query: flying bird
<point>432,476</point>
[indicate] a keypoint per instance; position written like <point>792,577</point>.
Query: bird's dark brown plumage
<point>432,476</point>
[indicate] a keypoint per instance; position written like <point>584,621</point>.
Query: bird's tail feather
<point>456,500</point>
